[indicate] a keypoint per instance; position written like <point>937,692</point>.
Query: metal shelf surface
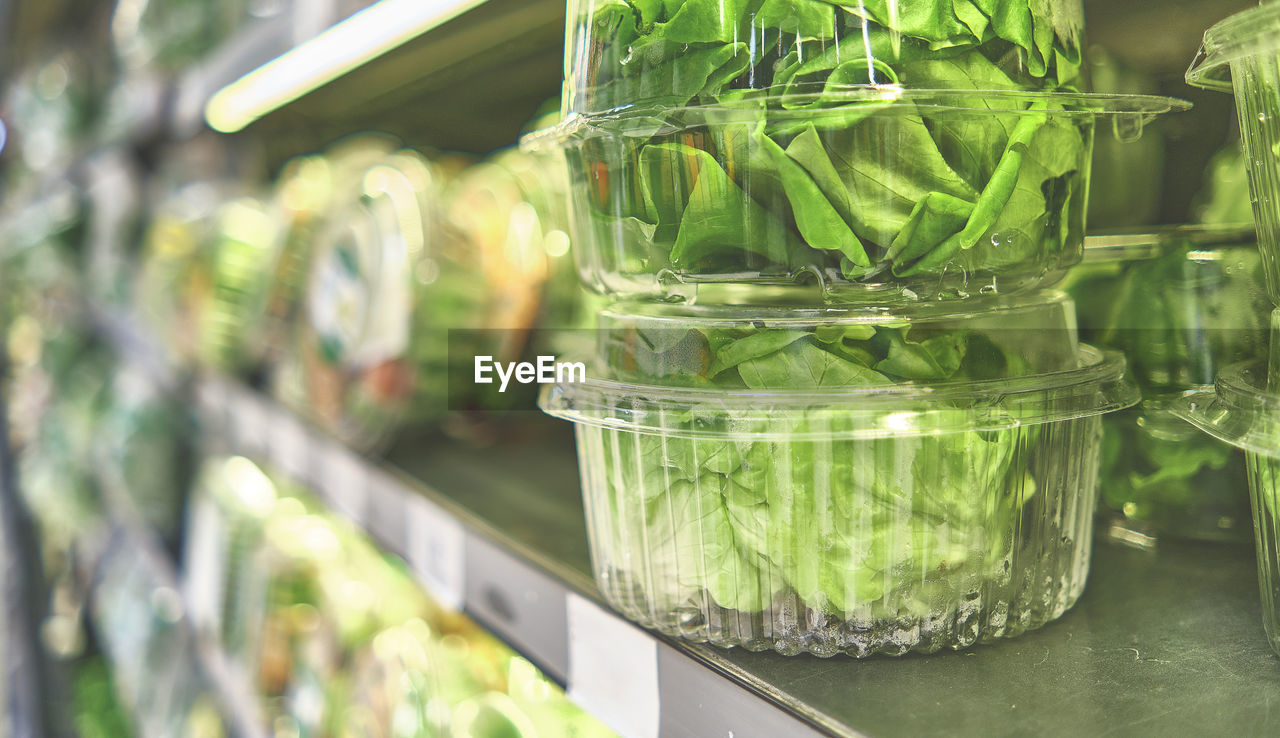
<point>1163,642</point>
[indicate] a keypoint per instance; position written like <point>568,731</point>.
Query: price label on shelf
<point>613,669</point>
<point>346,483</point>
<point>436,547</point>
<point>291,449</point>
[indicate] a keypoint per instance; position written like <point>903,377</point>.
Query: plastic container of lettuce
<point>1242,411</point>
<point>620,53</point>
<point>869,193</point>
<point>1180,302</point>
<point>861,483</point>
<point>1241,52</point>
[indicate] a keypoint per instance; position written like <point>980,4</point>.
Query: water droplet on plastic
<point>1127,127</point>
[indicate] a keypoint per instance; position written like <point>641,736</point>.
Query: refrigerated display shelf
<point>127,527</point>
<point>1164,641</point>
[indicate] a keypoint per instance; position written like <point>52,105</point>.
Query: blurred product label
<point>437,551</point>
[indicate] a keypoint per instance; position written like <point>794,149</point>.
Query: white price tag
<point>291,448</point>
<point>206,576</point>
<point>613,669</point>
<point>436,548</point>
<point>347,483</point>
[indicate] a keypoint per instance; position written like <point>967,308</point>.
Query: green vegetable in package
<point>681,52</point>
<point>745,505</point>
<point>968,192</point>
<point>885,526</point>
<point>1194,307</point>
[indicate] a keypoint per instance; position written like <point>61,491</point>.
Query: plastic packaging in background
<point>1242,52</point>
<point>1225,197</point>
<point>144,442</point>
<point>423,252</point>
<point>113,192</point>
<point>870,194</point>
<point>858,516</point>
<point>1128,175</point>
<point>173,34</point>
<point>1181,303</point>
<point>620,54</point>
<point>50,108</point>
<point>172,280</point>
<point>241,259</point>
<point>344,642</point>
<point>1241,411</point>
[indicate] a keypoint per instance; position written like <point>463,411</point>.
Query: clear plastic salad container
<point>803,497</point>
<point>680,52</point>
<point>1243,51</point>
<point>1241,411</point>
<point>1180,302</point>
<point>876,193</point>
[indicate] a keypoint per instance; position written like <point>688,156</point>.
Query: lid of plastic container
<point>1239,410</point>
<point>1148,243</point>
<point>1247,33</point>
<point>1097,385</point>
<point>1128,113</point>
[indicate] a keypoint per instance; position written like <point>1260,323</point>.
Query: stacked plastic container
<point>1243,410</point>
<point>834,407</point>
<point>1180,302</point>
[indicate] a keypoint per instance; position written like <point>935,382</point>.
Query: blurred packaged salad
<point>241,260</point>
<point>145,444</point>
<point>1225,197</point>
<point>347,643</point>
<point>1181,303</point>
<point>174,280</point>
<point>50,110</point>
<point>418,258</point>
<point>305,194</point>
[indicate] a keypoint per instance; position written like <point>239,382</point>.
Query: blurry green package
<point>1181,303</point>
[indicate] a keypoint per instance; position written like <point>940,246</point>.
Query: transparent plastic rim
<point>1238,409</point>
<point>1148,243</point>
<point>1128,112</point>
<point>1248,33</point>
<point>1098,386</point>
<point>682,316</point>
